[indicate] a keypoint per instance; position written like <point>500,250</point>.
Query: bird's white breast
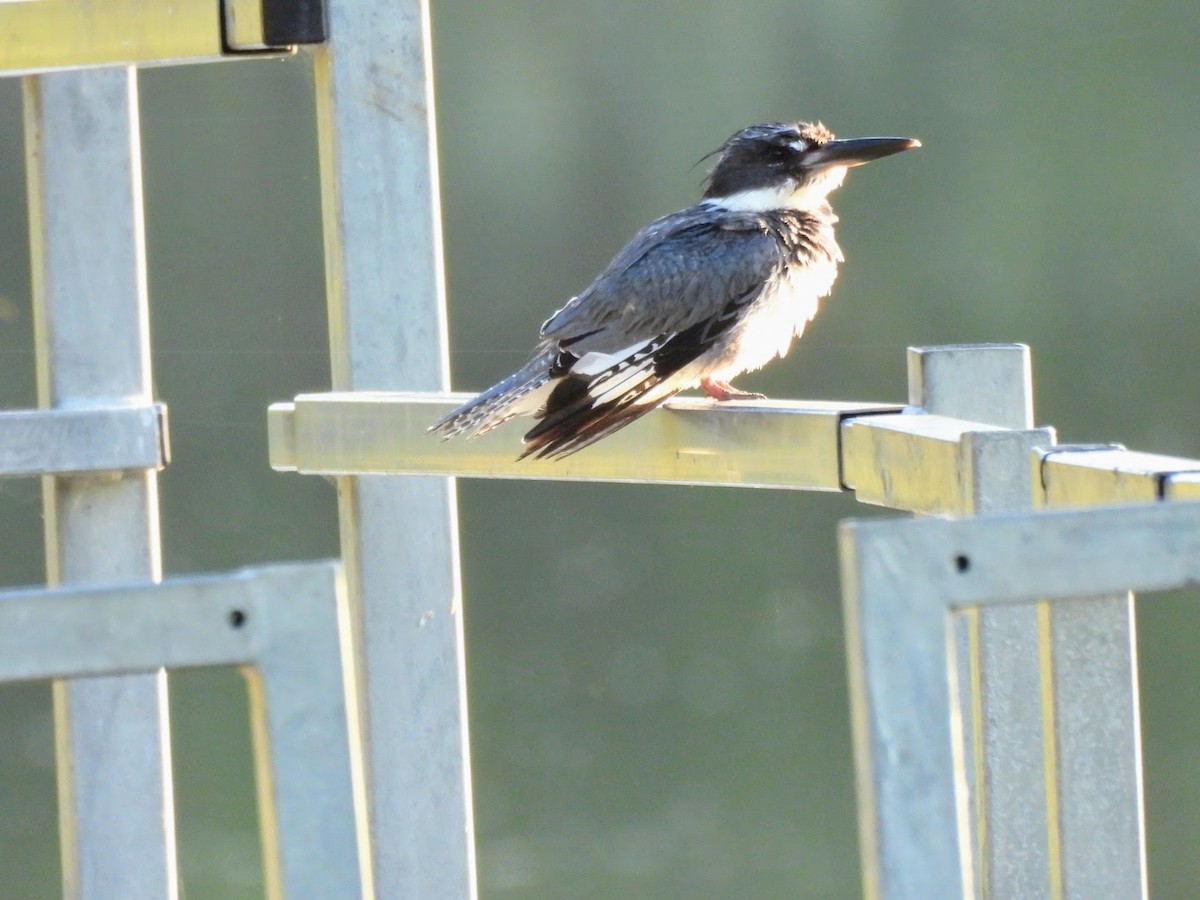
<point>777,318</point>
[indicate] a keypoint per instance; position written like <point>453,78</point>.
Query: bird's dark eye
<point>788,145</point>
<point>783,150</point>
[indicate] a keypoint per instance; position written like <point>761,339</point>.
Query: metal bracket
<point>75,441</point>
<point>287,625</point>
<point>924,463</point>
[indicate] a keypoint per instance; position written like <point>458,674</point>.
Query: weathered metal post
<point>399,534</point>
<point>83,153</point>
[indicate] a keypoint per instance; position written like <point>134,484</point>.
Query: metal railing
<point>986,766</point>
<point>1054,798</point>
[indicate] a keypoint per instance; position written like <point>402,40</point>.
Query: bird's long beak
<point>856,151</point>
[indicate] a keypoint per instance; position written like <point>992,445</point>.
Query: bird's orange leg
<point>723,390</point>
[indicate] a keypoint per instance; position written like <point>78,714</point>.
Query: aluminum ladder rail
<point>106,628</point>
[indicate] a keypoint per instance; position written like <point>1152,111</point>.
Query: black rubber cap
<point>293,22</point>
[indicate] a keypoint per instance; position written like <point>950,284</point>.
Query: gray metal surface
<point>760,443</point>
<point>912,789</point>
<point>1102,839</point>
<point>1049,555</point>
<point>998,651</point>
<point>990,383</point>
<point>116,814</point>
<point>1091,650</point>
<point>74,441</point>
<point>1035,738</point>
<point>900,581</point>
<point>285,622</point>
<point>399,535</point>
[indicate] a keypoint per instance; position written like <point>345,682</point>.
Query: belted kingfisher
<point>695,299</point>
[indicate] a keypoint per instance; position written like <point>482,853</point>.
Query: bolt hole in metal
<point>962,563</point>
<point>237,618</point>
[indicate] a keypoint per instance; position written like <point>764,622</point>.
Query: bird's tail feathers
<point>578,414</point>
<point>499,403</point>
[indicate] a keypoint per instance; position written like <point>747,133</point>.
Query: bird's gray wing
<point>627,343</point>
<point>678,271</point>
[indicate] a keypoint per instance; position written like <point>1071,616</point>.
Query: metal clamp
<point>76,441</point>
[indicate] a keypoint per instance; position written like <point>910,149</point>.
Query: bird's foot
<point>723,390</point>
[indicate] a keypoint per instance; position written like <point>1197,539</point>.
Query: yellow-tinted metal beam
<point>929,463</point>
<point>48,35</point>
<point>764,443</point>
<point>1101,476</point>
<point>1185,486</point>
<point>918,462</point>
<point>244,24</point>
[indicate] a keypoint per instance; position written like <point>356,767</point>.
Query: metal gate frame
<point>904,585</point>
<point>964,445</point>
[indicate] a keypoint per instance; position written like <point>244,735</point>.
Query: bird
<point>696,298</point>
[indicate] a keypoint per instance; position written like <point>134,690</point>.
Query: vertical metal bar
<point>314,831</point>
<point>988,383</point>
<point>399,534</point>
<point>89,283</point>
<point>1098,734</point>
<point>1057,804</point>
<point>908,766</point>
<point>1091,649</point>
<point>997,651</point>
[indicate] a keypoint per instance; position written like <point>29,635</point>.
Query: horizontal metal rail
<point>287,625</point>
<point>52,35</point>
<point>930,463</point>
<point>887,454</point>
<point>763,443</point>
<point>1092,476</point>
<point>74,441</point>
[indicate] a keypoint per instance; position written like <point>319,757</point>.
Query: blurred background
<point>656,674</point>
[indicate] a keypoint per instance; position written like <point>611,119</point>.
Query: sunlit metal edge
<point>762,443</point>
<point>244,24</point>
<point>1184,486</point>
